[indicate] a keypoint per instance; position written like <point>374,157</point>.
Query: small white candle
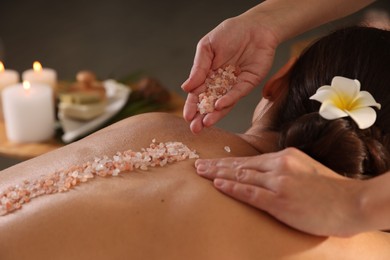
<point>7,77</point>
<point>28,112</point>
<point>40,75</point>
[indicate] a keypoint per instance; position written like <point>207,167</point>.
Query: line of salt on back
<point>156,155</point>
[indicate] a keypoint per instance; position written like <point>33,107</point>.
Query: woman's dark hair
<point>357,53</point>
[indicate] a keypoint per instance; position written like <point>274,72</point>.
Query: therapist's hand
<point>237,41</point>
<point>293,188</point>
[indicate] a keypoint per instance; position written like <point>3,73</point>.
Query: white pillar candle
<point>40,75</point>
<point>28,112</point>
<point>7,77</point>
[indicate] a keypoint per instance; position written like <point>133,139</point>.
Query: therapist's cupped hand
<point>238,42</point>
<point>292,187</point>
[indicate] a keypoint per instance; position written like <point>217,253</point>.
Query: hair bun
<point>338,144</point>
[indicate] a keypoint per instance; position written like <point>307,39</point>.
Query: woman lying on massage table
<point>170,212</point>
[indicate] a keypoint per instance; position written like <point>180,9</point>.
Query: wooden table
<point>25,151</point>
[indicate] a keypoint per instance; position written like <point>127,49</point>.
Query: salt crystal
<point>49,182</point>
<point>75,174</point>
<point>116,172</point>
<point>227,149</point>
<point>99,167</point>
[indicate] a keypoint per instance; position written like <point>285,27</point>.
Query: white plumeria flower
<point>344,98</point>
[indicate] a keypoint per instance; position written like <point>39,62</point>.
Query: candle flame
<point>26,85</point>
<point>37,66</point>
<point>1,67</point>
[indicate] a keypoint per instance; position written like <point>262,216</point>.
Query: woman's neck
<point>264,141</point>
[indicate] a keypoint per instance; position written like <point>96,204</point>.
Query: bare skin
<point>163,213</point>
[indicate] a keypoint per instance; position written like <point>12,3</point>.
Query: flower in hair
<point>344,98</point>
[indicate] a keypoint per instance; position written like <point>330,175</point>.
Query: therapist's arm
<point>291,18</point>
<point>375,202</point>
<point>252,39</point>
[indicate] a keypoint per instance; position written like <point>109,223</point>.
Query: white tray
<point>117,95</point>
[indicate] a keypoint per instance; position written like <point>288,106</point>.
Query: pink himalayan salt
<point>157,154</point>
<point>218,83</point>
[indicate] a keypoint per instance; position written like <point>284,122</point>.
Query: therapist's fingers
<point>213,117</point>
<point>190,107</point>
<point>197,123</point>
<point>202,65</point>
<point>247,176</point>
<point>240,175</point>
<point>253,195</point>
<point>197,77</point>
<point>287,159</point>
<point>264,162</point>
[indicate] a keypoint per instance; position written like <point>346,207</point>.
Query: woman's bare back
<point>162,213</point>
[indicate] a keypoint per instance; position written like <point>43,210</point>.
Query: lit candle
<point>28,112</point>
<point>40,75</point>
<point>7,77</point>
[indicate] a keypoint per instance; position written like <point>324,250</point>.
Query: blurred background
<point>115,38</point>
